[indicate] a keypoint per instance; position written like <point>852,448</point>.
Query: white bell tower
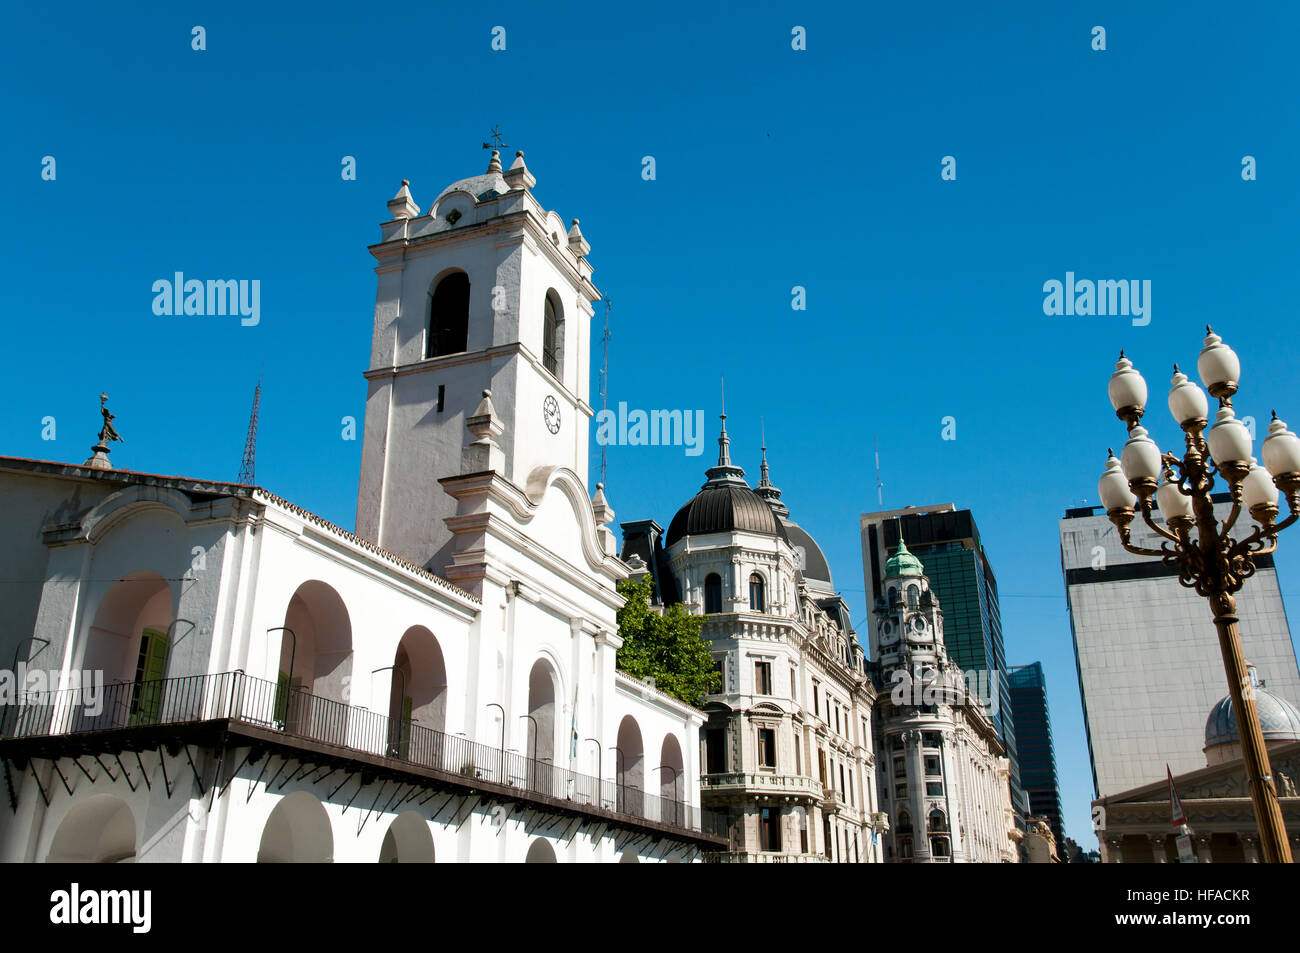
<point>485,291</point>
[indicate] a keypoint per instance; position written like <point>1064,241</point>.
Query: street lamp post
<point>530,760</point>
<point>600,774</point>
<point>501,770</point>
<point>1207,558</point>
<point>395,742</point>
<point>676,801</point>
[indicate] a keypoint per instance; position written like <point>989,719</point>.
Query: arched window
<point>449,316</point>
<point>756,602</point>
<point>939,847</point>
<point>938,822</point>
<point>553,335</point>
<point>904,823</point>
<point>913,596</point>
<point>713,593</point>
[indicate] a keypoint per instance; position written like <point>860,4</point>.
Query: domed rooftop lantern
<point>725,503</point>
<point>903,562</point>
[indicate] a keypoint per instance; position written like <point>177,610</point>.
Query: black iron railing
<point>241,698</point>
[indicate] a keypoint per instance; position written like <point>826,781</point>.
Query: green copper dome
<point>903,563</point>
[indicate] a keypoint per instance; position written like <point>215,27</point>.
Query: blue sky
<point>775,168</point>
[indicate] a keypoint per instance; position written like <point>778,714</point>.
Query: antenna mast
<point>604,389</point>
<point>246,472</point>
<point>880,487</point>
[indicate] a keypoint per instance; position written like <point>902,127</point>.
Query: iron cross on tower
<point>496,142</point>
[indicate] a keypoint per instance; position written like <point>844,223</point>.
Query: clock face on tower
<point>551,414</point>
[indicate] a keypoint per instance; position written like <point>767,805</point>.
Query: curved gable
<point>562,518</point>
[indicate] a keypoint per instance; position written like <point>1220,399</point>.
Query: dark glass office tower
<point>947,542</point>
<point>1034,744</point>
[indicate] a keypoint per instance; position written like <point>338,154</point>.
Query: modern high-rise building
<point>1148,653</point>
<point>1034,740</point>
<point>947,541</point>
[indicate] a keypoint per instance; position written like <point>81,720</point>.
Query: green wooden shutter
<point>149,681</point>
<point>281,699</point>
<point>405,737</point>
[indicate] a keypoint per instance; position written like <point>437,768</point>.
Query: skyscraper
<point>1037,754</point>
<point>948,543</point>
<point>1147,651</point>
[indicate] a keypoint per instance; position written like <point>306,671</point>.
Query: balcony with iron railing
<point>123,713</point>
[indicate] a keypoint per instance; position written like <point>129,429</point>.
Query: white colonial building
<point>439,685</point>
<point>944,779</point>
<point>788,754</point>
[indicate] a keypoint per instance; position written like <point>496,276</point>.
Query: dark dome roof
<point>815,567</point>
<point>723,508</point>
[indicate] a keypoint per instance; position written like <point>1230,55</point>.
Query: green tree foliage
<point>666,647</point>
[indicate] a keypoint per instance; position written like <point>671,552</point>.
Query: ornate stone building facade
<point>787,744</point>
<point>1135,826</point>
<point>943,775</point>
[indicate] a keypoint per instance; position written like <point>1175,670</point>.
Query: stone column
<point>1203,854</point>
<point>1250,846</point>
<point>916,787</point>
<point>1115,850</point>
<point>948,762</point>
<point>1159,853</point>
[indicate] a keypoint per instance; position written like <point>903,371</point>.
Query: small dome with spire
<point>903,563</point>
<point>481,187</point>
<point>725,504</point>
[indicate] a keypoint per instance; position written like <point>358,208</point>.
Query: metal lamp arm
<point>1137,550</point>
<point>1146,518</point>
<point>1231,521</point>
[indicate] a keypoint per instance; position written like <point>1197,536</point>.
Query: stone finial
<point>483,453</point>
<point>577,244</point>
<point>604,512</point>
<point>766,488</point>
<point>494,164</point>
<point>604,516</point>
<point>518,177</point>
<point>402,205</point>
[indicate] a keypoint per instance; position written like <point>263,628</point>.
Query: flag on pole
<point>1175,805</point>
<point>1184,841</point>
<point>573,748</point>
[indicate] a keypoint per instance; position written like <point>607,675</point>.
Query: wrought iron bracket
<point>125,776</point>
<point>194,769</point>
<point>40,787</point>
<point>167,784</point>
<point>66,787</point>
